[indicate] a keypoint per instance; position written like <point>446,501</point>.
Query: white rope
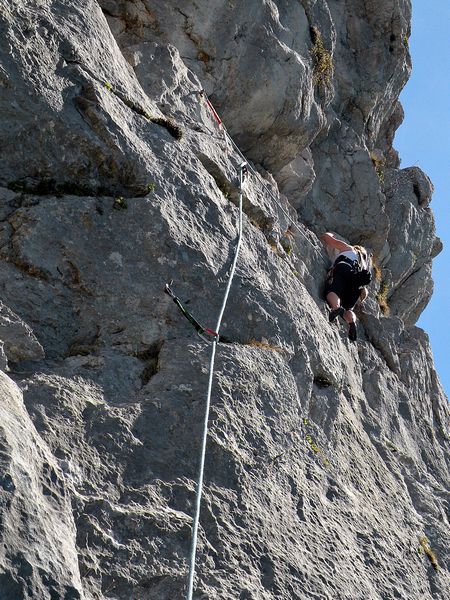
<point>242,171</point>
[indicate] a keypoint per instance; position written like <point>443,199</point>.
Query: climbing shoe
<point>352,335</point>
<point>337,312</point>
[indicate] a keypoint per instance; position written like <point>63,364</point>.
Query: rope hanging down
<point>268,190</point>
<point>243,170</point>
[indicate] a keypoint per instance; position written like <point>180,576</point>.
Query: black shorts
<point>343,285</point>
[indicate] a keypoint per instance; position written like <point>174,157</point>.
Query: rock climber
<point>346,280</point>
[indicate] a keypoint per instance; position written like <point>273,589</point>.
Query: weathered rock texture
<point>326,460</point>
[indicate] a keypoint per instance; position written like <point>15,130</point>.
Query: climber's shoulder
<point>330,240</point>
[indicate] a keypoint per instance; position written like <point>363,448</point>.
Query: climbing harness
<point>202,331</point>
<point>360,269</point>
<point>243,170</point>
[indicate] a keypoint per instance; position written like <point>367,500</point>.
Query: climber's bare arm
<point>363,295</point>
<point>330,240</point>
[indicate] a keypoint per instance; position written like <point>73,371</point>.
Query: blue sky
<point>424,140</point>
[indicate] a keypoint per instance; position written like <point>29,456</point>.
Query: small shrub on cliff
<point>120,203</point>
<point>314,447</point>
<point>172,127</point>
<point>376,270</point>
<point>273,246</point>
<point>426,548</point>
<point>379,164</point>
<point>322,381</point>
<point>16,186</point>
<point>287,241</point>
<point>383,290</point>
<point>323,61</point>
<point>382,298</point>
<point>169,124</point>
<point>140,110</point>
<point>287,246</point>
<point>264,346</point>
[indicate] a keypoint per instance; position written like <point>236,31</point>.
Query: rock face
<point>327,462</point>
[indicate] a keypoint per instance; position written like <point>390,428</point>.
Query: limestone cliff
<point>327,461</point>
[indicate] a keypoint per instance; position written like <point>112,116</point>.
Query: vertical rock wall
<point>327,462</point>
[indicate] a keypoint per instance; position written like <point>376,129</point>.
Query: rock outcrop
<point>327,462</point>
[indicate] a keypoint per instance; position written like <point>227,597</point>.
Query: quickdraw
<point>203,332</point>
<point>203,95</point>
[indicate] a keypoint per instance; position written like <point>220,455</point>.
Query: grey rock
<point>296,178</point>
<point>346,195</point>
<point>422,186</point>
<point>326,460</point>
<point>367,38</point>
<point>19,341</point>
<point>60,87</point>
<point>38,551</point>
<point>413,296</point>
<point>384,339</point>
<point>3,358</point>
<point>386,136</point>
<point>263,64</point>
<point>412,241</point>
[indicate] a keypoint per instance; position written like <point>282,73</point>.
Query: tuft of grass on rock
<point>379,163</point>
<point>322,381</point>
<point>140,110</point>
<point>273,246</point>
<point>16,186</point>
<point>323,61</point>
<point>314,447</point>
<point>377,270</point>
<point>46,186</point>
<point>173,128</point>
<point>120,203</point>
<point>287,246</point>
<point>203,56</point>
<point>264,345</point>
<point>382,298</point>
<point>425,547</point>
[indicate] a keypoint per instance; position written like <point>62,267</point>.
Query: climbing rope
<point>254,172</point>
<point>243,170</point>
